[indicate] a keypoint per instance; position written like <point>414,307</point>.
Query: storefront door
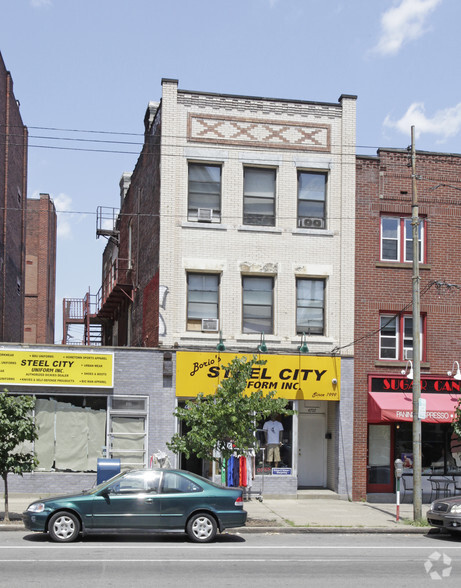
<point>311,450</point>
<point>380,474</point>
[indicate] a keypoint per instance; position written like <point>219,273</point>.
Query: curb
<point>335,530</point>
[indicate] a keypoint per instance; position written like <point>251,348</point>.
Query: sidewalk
<point>291,515</point>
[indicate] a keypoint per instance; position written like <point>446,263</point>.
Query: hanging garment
<point>223,471</point>
<point>243,471</point>
<point>236,473</point>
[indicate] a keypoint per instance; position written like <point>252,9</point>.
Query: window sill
<point>256,339</point>
<point>314,340</point>
<point>316,232</point>
<point>398,363</point>
<point>399,265</point>
<point>201,225</point>
<point>259,229</point>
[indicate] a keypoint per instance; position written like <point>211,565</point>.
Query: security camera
<point>334,381</point>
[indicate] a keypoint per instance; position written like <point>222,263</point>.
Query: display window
<point>274,444</point>
<point>440,448</point>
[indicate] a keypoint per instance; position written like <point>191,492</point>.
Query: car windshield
<point>103,484</point>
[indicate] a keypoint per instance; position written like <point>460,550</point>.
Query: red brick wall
<point>40,280</point>
<point>384,185</point>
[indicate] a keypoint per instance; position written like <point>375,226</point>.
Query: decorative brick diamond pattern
<point>258,133</point>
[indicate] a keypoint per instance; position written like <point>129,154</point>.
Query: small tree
<point>16,427</point>
<point>218,423</point>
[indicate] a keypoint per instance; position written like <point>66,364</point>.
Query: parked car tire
<point>202,528</point>
<point>64,527</point>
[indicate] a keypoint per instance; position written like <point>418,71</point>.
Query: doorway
<point>311,451</point>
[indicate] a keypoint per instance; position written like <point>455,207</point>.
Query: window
<point>259,197</point>
<point>397,239</point>
<point>175,483</point>
<point>71,432</point>
<point>127,430</point>
<point>396,336</point>
<point>202,301</point>
<point>440,447</point>
<point>311,200</point>
<point>310,306</point>
<point>257,304</point>
<point>204,192</point>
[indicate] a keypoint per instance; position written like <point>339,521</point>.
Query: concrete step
<point>316,494</point>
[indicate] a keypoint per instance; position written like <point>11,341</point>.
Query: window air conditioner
<point>210,324</point>
<point>205,214</point>
<point>307,222</point>
<point>408,354</point>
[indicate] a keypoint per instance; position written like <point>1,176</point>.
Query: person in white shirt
<point>273,430</point>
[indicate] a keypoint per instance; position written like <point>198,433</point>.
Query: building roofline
<point>267,99</point>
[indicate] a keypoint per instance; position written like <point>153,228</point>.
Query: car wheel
<point>64,527</point>
<point>202,528</point>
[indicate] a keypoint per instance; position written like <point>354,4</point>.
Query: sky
<point>84,72</point>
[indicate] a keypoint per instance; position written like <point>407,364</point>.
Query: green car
<point>141,500</point>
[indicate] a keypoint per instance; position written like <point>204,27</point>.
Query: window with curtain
<point>127,430</point>
<point>71,433</point>
<point>204,192</point>
<point>259,197</point>
<point>310,306</point>
<point>202,299</point>
<point>258,304</point>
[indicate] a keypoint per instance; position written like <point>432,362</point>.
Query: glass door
<point>380,474</point>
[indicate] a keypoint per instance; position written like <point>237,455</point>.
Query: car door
<point>130,502</point>
<point>179,496</point>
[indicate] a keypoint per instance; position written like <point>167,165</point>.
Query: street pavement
<point>307,514</point>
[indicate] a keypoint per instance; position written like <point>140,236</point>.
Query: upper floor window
<point>258,304</point>
<point>310,306</point>
<point>312,188</point>
<point>397,239</point>
<point>259,197</point>
<point>396,336</point>
<point>202,302</point>
<point>204,192</point>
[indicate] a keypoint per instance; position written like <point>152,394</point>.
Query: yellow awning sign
<point>294,377</point>
<point>40,368</point>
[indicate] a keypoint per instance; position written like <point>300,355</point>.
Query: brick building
<point>40,275</point>
<point>236,232</point>
<point>13,189</point>
<point>383,326</point>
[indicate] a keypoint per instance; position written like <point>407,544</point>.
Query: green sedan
<point>141,500</point>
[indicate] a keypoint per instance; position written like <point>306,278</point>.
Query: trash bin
<point>107,468</point>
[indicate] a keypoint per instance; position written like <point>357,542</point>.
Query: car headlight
<point>36,507</point>
<point>456,508</point>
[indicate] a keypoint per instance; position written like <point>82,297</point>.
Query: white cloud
<point>40,3</point>
<point>63,205</point>
<point>444,123</point>
<point>403,23</point>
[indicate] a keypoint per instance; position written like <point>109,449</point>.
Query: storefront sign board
<point>40,368</point>
<point>294,377</point>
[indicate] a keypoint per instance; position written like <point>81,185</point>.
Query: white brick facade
<point>283,135</point>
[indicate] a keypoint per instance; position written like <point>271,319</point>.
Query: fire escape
<point>81,312</point>
<point>93,311</point>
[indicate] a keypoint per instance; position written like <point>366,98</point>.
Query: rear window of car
<point>173,482</point>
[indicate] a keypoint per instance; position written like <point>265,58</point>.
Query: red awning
<point>389,407</point>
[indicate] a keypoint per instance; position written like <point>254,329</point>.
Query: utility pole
<point>417,491</point>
